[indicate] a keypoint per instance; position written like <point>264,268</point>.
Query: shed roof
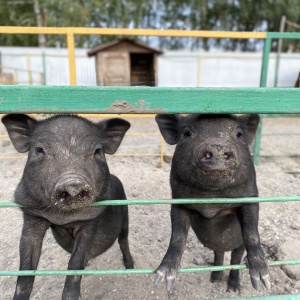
<point>106,46</point>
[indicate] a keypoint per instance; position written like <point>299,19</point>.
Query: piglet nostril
<point>84,194</point>
<point>62,196</point>
<point>227,155</point>
<point>207,156</point>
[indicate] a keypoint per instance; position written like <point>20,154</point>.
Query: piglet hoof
<point>233,286</point>
<point>170,283</point>
<point>259,271</point>
<point>129,264</point>
<point>159,277</point>
<point>256,281</point>
<point>266,281</point>
<point>216,276</point>
<point>163,274</point>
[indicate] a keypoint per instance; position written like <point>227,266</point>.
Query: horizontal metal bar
<point>116,154</point>
<point>135,32</point>
<point>283,35</point>
<point>97,115</point>
<point>134,271</point>
<point>145,100</point>
<point>271,297</point>
<point>181,201</point>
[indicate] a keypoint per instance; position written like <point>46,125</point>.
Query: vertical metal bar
<point>16,76</point>
<point>71,56</point>
<point>44,67</point>
<point>263,83</point>
<point>279,49</point>
<point>29,74</point>
<point>199,70</point>
<point>265,62</point>
<point>256,146</point>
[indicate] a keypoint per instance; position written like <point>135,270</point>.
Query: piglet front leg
<point>180,226</point>
<point>77,261</point>
<point>33,233</point>
<point>258,267</point>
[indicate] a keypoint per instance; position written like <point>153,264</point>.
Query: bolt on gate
<point>107,100</point>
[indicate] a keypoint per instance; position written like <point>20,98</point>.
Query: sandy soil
<point>278,174</point>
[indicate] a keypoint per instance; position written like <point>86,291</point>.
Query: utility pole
<point>279,49</point>
<point>39,21</point>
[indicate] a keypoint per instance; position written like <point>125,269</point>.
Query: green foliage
<point>232,15</point>
<point>17,15</point>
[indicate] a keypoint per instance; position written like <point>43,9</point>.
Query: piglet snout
<point>217,156</point>
<point>72,192</point>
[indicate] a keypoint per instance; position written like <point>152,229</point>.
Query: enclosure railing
<point>70,33</point>
<point>145,100</point>
<point>28,71</point>
<point>148,100</point>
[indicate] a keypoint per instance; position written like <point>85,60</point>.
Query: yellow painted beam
<point>127,31</point>
<point>101,115</point>
<point>71,57</point>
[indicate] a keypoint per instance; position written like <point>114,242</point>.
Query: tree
<point>17,13</point>
<point>229,15</point>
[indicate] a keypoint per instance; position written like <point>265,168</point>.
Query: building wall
<point>179,69</point>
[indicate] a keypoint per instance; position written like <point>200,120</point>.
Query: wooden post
<point>279,49</point>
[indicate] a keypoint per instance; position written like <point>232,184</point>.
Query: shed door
<point>114,67</point>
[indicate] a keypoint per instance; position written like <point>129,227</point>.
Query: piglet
<point>212,160</point>
<point>66,172</point>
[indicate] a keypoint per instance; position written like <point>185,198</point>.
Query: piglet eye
<point>187,133</point>
<point>239,135</point>
<point>39,150</point>
<point>98,151</point>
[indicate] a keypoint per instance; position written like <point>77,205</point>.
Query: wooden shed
<point>125,62</point>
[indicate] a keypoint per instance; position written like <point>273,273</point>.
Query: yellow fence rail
<point>70,32</point>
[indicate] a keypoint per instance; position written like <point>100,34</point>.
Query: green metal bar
<point>181,201</point>
<point>283,35</point>
<point>279,49</point>
<point>135,271</point>
<point>263,83</point>
<point>30,78</point>
<point>265,62</point>
<point>145,100</point>
<point>257,142</point>
<point>272,297</point>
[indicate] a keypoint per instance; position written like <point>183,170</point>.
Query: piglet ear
<point>114,131</point>
<point>19,128</point>
<point>168,126</point>
<point>249,123</point>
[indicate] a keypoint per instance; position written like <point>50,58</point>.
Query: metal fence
<point>145,100</point>
<point>190,100</point>
<point>71,32</point>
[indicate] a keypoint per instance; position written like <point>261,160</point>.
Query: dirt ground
<point>278,174</point>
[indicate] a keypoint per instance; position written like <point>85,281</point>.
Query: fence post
<point>263,83</point>
<point>29,73</point>
<point>71,55</point>
<point>199,70</point>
